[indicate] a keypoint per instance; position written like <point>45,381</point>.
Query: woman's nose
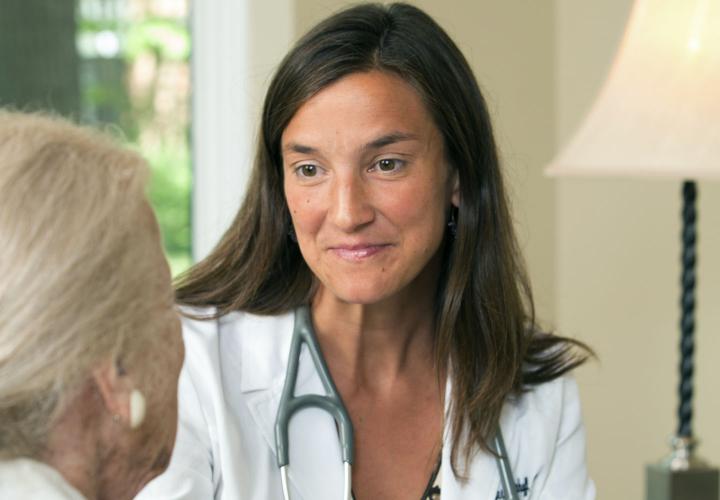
<point>350,207</point>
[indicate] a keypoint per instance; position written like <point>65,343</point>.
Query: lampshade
<point>658,113</point>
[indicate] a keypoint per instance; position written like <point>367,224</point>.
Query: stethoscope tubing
<point>303,333</point>
<point>504,468</point>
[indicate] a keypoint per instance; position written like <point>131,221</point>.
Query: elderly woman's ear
<point>122,400</point>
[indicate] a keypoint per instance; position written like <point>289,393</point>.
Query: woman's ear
<point>455,193</point>
<point>114,389</point>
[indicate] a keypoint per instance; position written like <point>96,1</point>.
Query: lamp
<point>658,115</point>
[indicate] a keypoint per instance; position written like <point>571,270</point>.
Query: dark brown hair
<point>485,322</point>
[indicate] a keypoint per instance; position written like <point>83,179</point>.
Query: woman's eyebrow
<point>387,139</point>
<point>380,142</point>
<point>294,147</point>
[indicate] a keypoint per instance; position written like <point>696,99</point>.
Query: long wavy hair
<point>485,329</point>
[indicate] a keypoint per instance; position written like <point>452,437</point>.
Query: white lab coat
<point>230,389</point>
<point>26,479</point>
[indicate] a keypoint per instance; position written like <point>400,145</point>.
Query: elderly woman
<point>90,344</point>
<point>373,260</point>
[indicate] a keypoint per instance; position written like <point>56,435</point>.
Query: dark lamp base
<point>663,483</point>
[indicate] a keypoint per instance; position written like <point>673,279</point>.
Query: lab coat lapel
<point>483,478</point>
<point>316,469</point>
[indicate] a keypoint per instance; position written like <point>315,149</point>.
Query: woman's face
<point>367,186</point>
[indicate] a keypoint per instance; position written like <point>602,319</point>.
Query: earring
<point>452,224</point>
<point>137,408</point>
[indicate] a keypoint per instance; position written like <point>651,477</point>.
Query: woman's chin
<point>361,294</point>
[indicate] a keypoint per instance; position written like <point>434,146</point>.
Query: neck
<point>372,347</point>
<point>92,452</point>
<point>71,447</point>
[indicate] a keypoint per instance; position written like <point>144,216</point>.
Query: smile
<point>358,252</point>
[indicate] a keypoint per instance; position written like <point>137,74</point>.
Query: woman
<point>90,344</point>
<point>377,201</point>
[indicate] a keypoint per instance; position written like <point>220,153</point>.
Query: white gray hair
<point>74,277</point>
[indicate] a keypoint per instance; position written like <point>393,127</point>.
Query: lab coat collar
<point>261,345</point>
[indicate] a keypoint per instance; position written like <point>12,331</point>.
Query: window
<point>123,63</point>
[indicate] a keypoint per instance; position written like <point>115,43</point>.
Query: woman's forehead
<point>364,107</point>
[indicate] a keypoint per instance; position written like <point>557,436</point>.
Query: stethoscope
<point>303,333</point>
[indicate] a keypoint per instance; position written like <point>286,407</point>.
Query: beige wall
<point>617,279</point>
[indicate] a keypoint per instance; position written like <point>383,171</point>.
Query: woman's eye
<point>388,165</point>
<point>307,170</point>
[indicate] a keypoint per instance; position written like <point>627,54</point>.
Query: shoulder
<point>541,418</point>
<point>545,436</point>
<point>548,409</point>
<point>549,398</point>
<point>242,345</point>
<point>25,478</point>
<point>544,439</point>
<point>204,329</point>
<point>229,359</point>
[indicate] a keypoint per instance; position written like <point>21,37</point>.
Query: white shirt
<point>229,393</point>
<point>25,479</point>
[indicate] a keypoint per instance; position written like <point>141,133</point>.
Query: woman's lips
<point>358,252</point>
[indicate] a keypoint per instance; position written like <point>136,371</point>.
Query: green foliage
<point>85,25</point>
<point>167,38</point>
<point>170,196</point>
<point>110,96</point>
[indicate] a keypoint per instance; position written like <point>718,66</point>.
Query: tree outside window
<point>119,64</point>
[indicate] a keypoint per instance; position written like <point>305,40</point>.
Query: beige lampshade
<point>658,113</point>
